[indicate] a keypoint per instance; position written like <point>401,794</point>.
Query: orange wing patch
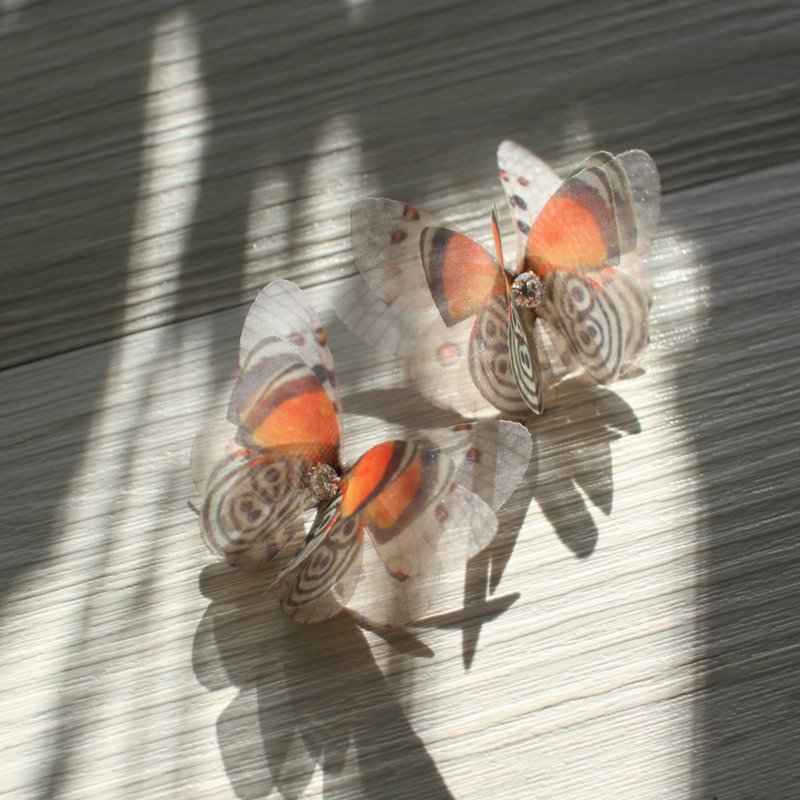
<point>392,483</point>
<point>568,235</point>
<point>295,417</point>
<point>461,273</point>
<point>387,508</point>
<point>367,476</point>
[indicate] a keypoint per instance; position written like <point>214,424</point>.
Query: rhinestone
<point>324,481</point>
<point>527,291</point>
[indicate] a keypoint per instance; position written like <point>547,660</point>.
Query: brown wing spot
<point>398,575</point>
<point>519,202</point>
<point>409,212</point>
<point>524,227</point>
<point>463,426</point>
<point>398,235</point>
<point>442,513</point>
<point>392,271</point>
<point>448,353</point>
<point>474,455</point>
<point>321,336</point>
<point>297,338</point>
<point>523,181</point>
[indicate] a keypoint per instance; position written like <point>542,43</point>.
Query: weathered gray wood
<point>633,630</point>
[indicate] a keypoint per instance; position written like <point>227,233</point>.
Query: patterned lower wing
<point>633,301</point>
<point>442,368</point>
<point>251,507</point>
<point>525,358</point>
<point>328,575</point>
<point>490,358</point>
<point>591,320</point>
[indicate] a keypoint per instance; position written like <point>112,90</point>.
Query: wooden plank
<point>269,123</point>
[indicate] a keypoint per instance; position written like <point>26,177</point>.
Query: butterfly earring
<point>388,528</point>
<point>481,335</point>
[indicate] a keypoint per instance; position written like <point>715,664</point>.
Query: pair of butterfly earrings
<point>479,337</point>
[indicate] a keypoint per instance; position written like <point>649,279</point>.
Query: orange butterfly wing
<point>280,406</point>
<point>283,410</point>
<point>462,275</point>
<point>576,230</point>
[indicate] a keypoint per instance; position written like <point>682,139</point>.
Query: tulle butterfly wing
<point>408,570</point>
<point>528,183</point>
<point>384,492</point>
<point>282,427</point>
<point>385,236</point>
<point>280,406</point>
<point>586,244</point>
<point>467,281</point>
<point>281,310</point>
<point>490,456</point>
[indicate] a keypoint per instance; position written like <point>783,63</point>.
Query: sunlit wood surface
<point>633,631</point>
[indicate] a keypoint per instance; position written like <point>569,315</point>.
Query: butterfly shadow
<point>309,698</point>
<point>571,465</point>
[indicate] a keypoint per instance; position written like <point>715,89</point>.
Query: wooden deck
<point>633,631</point>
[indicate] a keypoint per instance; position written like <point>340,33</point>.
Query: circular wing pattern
<point>331,560</point>
<point>253,500</point>
<point>490,360</point>
<point>525,360</point>
<point>591,321</point>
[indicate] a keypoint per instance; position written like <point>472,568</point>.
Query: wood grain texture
<point>633,630</point>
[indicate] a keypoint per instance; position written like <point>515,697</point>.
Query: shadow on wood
<point>310,698</point>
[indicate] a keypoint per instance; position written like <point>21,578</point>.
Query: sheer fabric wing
<point>334,562</point>
<point>279,405</point>
<point>591,321</point>
<point>452,529</point>
<point>645,194</point>
<point>281,310</point>
<point>465,367</point>
<point>251,507</point>
<point>528,182</point>
<point>385,236</point>
<point>604,319</point>
<point>524,357</point>
<point>395,329</point>
<point>490,456</point>
<point>490,359</point>
<point>461,274</point>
